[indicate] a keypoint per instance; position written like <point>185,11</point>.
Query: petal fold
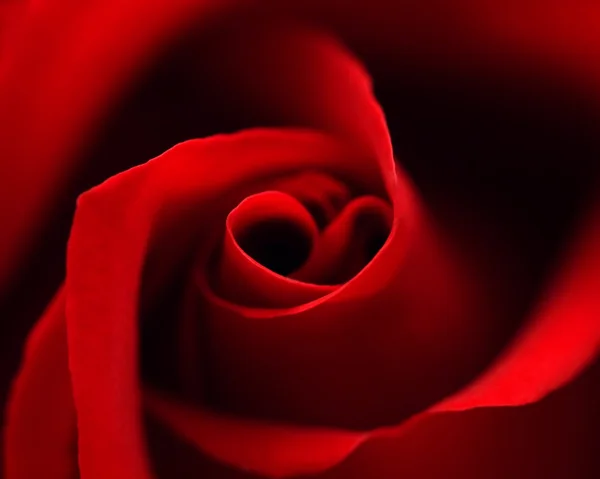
<point>151,208</point>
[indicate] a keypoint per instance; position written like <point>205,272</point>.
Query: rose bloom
<point>300,239</point>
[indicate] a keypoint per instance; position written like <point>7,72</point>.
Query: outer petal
<point>41,432</point>
<point>59,75</point>
<point>577,362</point>
<point>555,438</point>
<point>561,338</point>
<point>261,447</point>
<point>112,233</point>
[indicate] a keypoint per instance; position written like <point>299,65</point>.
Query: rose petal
<point>332,92</point>
<point>58,79</point>
<point>112,231</point>
<point>322,345</point>
<point>347,346</point>
<point>321,194</point>
<point>258,346</point>
<point>323,87</point>
<point>256,446</point>
<point>339,339</point>
<point>554,438</point>
<point>243,279</point>
<point>495,441</point>
<point>561,338</point>
<point>342,250</point>
<point>41,428</point>
<point>583,315</point>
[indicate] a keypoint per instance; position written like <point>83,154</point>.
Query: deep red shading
<point>245,279</point>
<point>41,430</point>
<point>102,319</point>
<point>59,74</point>
<point>114,228</point>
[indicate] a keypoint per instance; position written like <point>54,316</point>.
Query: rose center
<point>278,244</point>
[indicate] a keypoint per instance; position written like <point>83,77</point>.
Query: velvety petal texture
<point>60,54</point>
<point>102,320</point>
<point>561,338</point>
<point>326,326</point>
<point>41,428</point>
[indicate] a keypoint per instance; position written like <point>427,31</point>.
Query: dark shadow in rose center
<point>279,245</point>
<point>375,231</point>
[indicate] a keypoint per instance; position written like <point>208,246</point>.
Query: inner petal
<point>349,242</point>
<point>274,230</point>
<point>267,236</point>
<point>322,195</point>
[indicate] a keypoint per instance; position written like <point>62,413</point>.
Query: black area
<point>159,336</point>
<point>374,230</point>
<point>280,245</point>
<point>515,146</point>
<point>317,212</point>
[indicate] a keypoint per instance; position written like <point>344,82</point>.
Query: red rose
<point>286,295</point>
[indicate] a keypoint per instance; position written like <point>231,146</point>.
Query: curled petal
<point>321,194</point>
<point>349,242</point>
<point>269,449</point>
<point>115,226</point>
<point>243,278</point>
